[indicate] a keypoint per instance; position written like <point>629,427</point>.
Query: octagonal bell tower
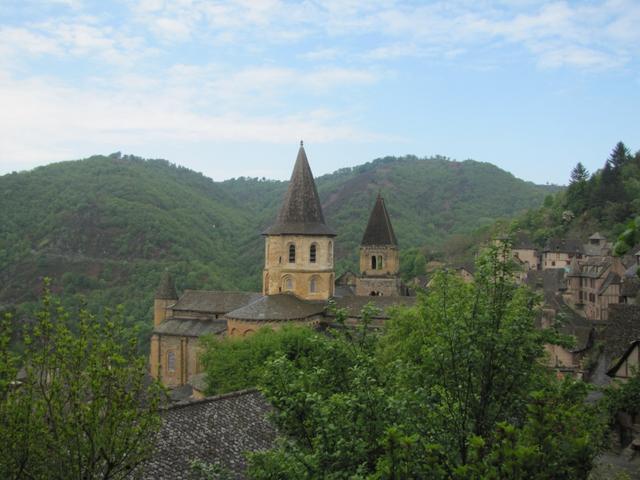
<point>299,246</point>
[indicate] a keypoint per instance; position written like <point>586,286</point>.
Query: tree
<point>84,407</point>
<point>620,156</point>
<point>452,388</point>
<point>237,363</point>
<point>579,174</point>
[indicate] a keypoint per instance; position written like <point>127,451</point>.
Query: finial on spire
<point>301,143</point>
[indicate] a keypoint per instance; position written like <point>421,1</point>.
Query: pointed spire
<point>301,212</point>
<point>379,230</point>
<point>167,289</point>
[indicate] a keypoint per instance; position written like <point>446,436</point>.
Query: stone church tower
<point>379,257</point>
<point>299,246</point>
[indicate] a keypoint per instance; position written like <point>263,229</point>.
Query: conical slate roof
<point>166,290</point>
<point>301,213</point>
<point>379,230</point>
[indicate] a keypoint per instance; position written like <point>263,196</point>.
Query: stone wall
<point>302,272</point>
<point>384,286</point>
<point>388,254</point>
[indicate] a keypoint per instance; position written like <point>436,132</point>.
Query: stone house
<point>558,253</point>
<point>594,283</point>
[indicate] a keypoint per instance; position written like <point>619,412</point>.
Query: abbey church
<point>298,283</point>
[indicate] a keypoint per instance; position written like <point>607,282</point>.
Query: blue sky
<point>228,88</point>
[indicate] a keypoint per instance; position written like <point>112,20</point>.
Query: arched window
<point>379,262</point>
<point>312,253</point>
<point>330,252</point>
<point>287,283</point>
<point>171,362</point>
<point>313,284</point>
<point>373,262</point>
<point>292,253</point>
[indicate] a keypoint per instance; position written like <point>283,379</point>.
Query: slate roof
<point>563,245</point>
<point>166,290</point>
<point>379,230</point>
<point>214,430</point>
<point>623,326</point>
<point>211,301</point>
<point>614,368</point>
<point>522,241</point>
<point>550,281</point>
<point>276,308</point>
<point>301,212</point>
<point>189,327</point>
<point>630,286</point>
<point>592,267</point>
<point>612,279</point>
<point>354,305</point>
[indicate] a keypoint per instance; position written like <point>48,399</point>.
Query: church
<point>298,284</point>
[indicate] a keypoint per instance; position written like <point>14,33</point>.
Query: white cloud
<point>43,121</point>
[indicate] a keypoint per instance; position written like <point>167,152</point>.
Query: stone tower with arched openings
<point>379,257</point>
<point>299,246</point>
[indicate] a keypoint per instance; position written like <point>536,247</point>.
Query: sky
<point>229,88</point>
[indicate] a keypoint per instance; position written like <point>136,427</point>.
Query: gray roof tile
<point>301,212</point>
<point>211,301</point>
<point>166,290</point>
<point>213,430</point>
<point>278,308</point>
<point>189,327</point>
<point>379,230</point>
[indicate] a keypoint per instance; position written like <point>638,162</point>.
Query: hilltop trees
<point>82,407</point>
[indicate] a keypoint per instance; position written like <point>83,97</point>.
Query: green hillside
<point>104,228</point>
<point>607,201</point>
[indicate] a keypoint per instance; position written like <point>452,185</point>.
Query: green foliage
<point>83,408</point>
<point>603,201</point>
<point>235,363</point>
<point>453,389</point>
<point>624,396</point>
<point>105,228</point>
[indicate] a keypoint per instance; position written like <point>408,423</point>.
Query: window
<point>373,262</point>
<point>379,262</point>
<point>292,253</point>
<point>592,298</point>
<point>313,285</point>
<point>312,253</point>
<point>171,362</point>
<point>287,283</point>
<point>330,252</point>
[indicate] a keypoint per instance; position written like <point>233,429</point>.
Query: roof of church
<point>379,230</point>
<point>301,212</point>
<point>280,307</point>
<point>212,301</point>
<point>216,430</point>
<point>354,305</point>
<point>189,327</point>
<point>166,290</point>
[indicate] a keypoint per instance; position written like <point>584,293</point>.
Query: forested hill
<point>607,201</point>
<point>106,227</point>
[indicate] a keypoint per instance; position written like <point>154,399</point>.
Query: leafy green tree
<point>238,363</point>
<point>84,408</point>
<point>452,388</point>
